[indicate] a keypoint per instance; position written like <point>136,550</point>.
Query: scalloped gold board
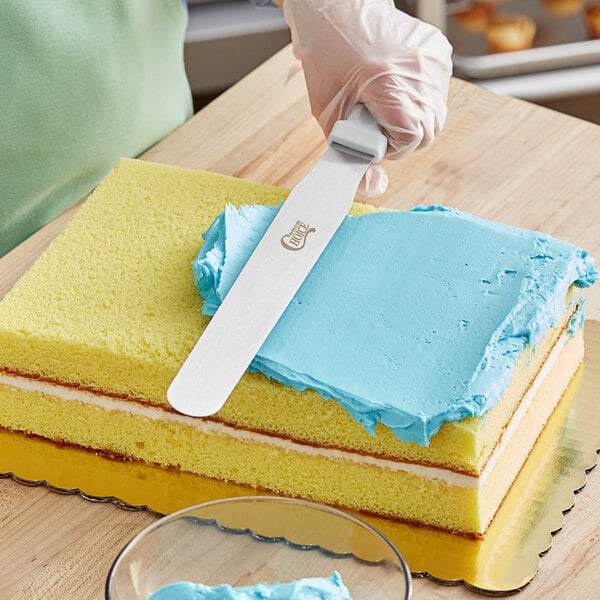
<point>506,560</point>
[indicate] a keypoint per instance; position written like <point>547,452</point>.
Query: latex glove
<point>368,51</point>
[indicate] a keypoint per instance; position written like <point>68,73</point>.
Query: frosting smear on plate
<point>412,318</point>
<point>314,588</point>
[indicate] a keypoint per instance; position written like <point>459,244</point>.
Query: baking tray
<point>504,561</point>
<point>561,41</point>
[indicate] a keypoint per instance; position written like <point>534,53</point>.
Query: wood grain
<point>498,157</point>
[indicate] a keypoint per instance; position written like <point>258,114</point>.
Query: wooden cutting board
<point>499,158</point>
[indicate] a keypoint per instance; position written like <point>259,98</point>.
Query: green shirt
<point>82,83</point>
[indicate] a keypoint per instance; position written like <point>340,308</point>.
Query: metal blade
<point>274,272</point>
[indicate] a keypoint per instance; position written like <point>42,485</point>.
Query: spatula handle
<point>359,134</point>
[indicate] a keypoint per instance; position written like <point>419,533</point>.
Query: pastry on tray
<point>510,32</point>
<point>592,18</point>
<point>475,16</point>
<point>563,8</point>
<point>409,378</point>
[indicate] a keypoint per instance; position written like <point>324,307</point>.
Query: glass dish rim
<point>263,499</point>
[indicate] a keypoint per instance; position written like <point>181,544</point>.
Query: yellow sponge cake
<point>445,372</point>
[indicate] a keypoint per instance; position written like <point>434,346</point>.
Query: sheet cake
<point>94,332</point>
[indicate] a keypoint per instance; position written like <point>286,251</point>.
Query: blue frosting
<point>412,318</point>
<point>315,588</point>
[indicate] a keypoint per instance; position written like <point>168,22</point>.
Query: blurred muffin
<point>475,16</point>
<point>592,18</point>
<point>510,32</point>
<point>563,8</point>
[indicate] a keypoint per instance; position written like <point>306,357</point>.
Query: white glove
<point>368,51</point>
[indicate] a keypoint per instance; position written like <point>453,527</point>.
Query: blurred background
<point>544,51</point>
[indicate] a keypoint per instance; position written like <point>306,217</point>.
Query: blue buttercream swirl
<point>409,318</point>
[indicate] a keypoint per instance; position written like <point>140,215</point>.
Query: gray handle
<point>359,134</point>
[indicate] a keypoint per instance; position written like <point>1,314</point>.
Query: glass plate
<point>251,540</point>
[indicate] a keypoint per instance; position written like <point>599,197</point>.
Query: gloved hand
<point>368,51</point>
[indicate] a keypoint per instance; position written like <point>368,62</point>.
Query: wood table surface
<point>498,157</point>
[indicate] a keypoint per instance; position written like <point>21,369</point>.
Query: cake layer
<point>414,493</point>
<point>111,305</point>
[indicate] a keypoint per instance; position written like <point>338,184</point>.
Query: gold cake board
<point>504,561</point>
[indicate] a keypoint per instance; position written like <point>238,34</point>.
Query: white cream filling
<point>204,426</point>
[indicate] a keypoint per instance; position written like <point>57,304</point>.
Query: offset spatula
<point>292,244</point>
